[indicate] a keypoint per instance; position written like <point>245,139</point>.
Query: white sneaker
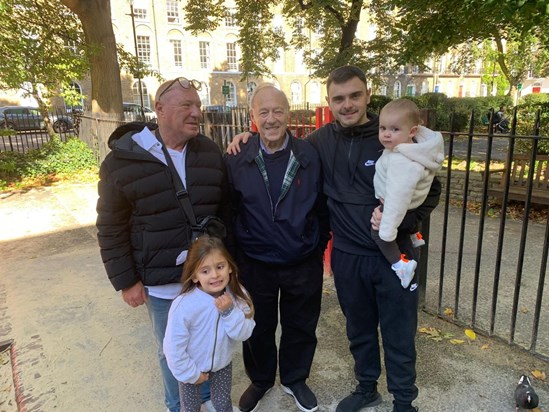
<point>417,239</point>
<point>207,407</point>
<point>405,270</point>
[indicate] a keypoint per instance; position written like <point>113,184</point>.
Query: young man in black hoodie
<point>368,293</point>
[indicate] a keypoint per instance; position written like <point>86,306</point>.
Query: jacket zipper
<point>215,340</point>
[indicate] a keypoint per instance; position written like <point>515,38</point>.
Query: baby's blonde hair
<point>405,107</point>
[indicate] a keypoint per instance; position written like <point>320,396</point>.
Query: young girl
<point>212,313</point>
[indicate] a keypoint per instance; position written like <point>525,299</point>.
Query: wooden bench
<point>518,179</point>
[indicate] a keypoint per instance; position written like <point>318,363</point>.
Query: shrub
<point>526,120</point>
<point>377,102</point>
<point>53,161</point>
<point>535,98</point>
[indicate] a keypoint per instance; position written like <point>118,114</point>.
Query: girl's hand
<point>203,378</point>
<point>223,303</point>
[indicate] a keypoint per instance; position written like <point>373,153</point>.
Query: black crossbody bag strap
<point>180,191</point>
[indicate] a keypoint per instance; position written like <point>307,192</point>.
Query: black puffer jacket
<point>141,226</point>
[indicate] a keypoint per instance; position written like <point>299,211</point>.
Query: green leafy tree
<point>41,48</point>
<point>96,22</point>
<point>333,24</point>
<point>518,29</point>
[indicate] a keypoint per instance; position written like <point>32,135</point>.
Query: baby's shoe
<point>405,270</point>
<point>417,239</point>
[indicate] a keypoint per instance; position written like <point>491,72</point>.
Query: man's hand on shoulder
<point>234,147</point>
<point>134,295</point>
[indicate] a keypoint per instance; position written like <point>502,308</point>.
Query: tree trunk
<point>95,16</point>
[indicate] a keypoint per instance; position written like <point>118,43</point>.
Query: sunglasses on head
<point>185,83</point>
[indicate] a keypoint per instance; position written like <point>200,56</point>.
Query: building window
<point>204,94</point>
<point>140,14</point>
<point>251,87</point>
<point>74,89</point>
<point>279,63</point>
<point>397,89</point>
<point>144,49</point>
<point>204,47</point>
<point>411,90</point>
<point>425,87</point>
<point>232,63</point>
<point>299,25</point>
<point>172,11</point>
<point>231,98</point>
<point>449,89</point>
<point>299,67</point>
<point>297,95</point>
<point>383,90</point>
<point>230,19</point>
<point>177,53</point>
<point>137,97</point>
<point>314,93</point>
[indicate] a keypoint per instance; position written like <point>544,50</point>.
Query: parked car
<point>29,118</point>
<point>132,111</point>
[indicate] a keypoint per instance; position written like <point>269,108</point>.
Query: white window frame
<point>232,60</point>
<point>140,13</point>
<point>230,19</point>
<point>231,99</point>
<point>204,51</point>
<point>145,91</point>
<point>297,92</point>
<point>144,49</point>
<point>172,11</point>
<point>397,89</point>
<point>177,48</point>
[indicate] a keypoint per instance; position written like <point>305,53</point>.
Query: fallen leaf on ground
<point>539,375</point>
<point>470,334</point>
<point>485,346</point>
<point>456,341</point>
<point>448,312</point>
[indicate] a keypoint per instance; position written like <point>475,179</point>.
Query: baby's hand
<point>375,220</point>
<point>223,303</point>
<point>203,378</point>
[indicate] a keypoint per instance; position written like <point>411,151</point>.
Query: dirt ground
<point>78,347</point>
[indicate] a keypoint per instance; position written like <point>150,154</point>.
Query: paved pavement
<point>78,347</point>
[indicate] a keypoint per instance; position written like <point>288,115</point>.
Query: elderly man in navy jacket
<point>280,228</point>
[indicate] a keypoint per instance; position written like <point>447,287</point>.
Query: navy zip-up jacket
<point>285,231</point>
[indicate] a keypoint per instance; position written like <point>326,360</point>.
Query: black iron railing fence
<point>486,261</point>
<point>24,128</point>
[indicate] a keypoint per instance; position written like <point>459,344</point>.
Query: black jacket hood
<point>127,128</point>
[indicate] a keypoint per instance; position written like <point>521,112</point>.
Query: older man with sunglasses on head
<point>143,232</point>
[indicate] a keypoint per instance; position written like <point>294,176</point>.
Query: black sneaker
<point>358,400</point>
<point>405,408</point>
<point>304,398</point>
<point>249,401</point>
